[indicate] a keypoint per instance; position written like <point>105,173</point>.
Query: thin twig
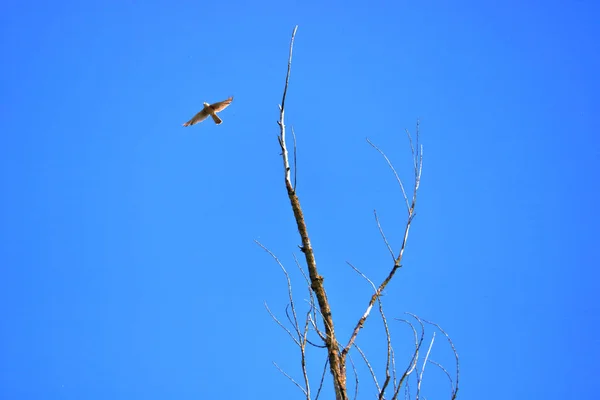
<point>383,236</point>
<point>355,378</point>
<point>394,368</point>
<point>361,274</point>
<point>289,68</point>
<point>303,356</point>
<point>455,390</point>
<point>281,325</point>
<point>318,331</point>
<point>311,303</point>
<point>420,377</point>
<point>412,148</point>
<point>295,158</point>
<point>290,378</point>
<point>389,350</point>
<point>302,272</point>
<point>324,337</point>
<point>447,375</point>
<point>394,171</point>
<point>413,362</point>
<point>322,378</point>
<point>301,337</point>
<point>311,300</point>
<point>289,285</point>
<point>368,364</point>
<point>365,315</point>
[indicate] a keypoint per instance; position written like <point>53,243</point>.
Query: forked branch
<point>417,155</point>
<point>336,365</point>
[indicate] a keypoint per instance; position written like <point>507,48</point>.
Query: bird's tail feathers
<point>216,118</point>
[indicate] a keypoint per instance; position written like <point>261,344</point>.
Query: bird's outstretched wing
<point>201,116</point>
<point>220,106</point>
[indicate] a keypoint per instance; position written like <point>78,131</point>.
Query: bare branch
<point>366,360</point>
<point>302,272</point>
<point>388,339</point>
<point>365,315</point>
<point>303,356</point>
<point>322,378</point>
<point>311,302</point>
<point>447,375</point>
<point>383,236</point>
<point>295,158</point>
<point>417,155</point>
<point>394,368</point>
<point>389,350</point>
<point>355,378</point>
<point>336,364</point>
<point>292,379</point>
<point>417,151</point>
<point>363,275</point>
<point>289,286</point>
<point>413,362</point>
<point>420,377</point>
<point>287,314</point>
<point>394,171</point>
<point>412,148</point>
<point>289,69</point>
<point>454,390</point>
<point>281,325</point>
<point>398,260</point>
<point>324,323</point>
<point>316,329</point>
<point>301,336</point>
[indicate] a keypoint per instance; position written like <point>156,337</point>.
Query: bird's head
<point>206,104</point>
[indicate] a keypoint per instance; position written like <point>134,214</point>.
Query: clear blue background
<point>128,268</point>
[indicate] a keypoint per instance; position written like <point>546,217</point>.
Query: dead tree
<point>318,318</point>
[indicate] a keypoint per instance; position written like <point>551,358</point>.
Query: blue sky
<point>128,264</point>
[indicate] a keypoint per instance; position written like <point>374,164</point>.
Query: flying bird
<point>212,110</point>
